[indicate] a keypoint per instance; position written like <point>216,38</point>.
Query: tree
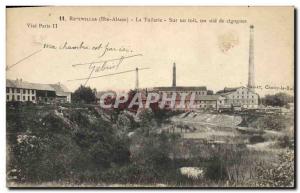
<point>279,99</point>
<point>84,95</point>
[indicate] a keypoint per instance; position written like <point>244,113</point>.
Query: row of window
<point>242,96</point>
<point>207,102</point>
<point>243,92</point>
<point>181,92</point>
<point>204,106</point>
<point>243,101</point>
<point>19,98</point>
<point>196,102</point>
<point>18,90</point>
<point>207,106</point>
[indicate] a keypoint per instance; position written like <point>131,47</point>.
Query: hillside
<point>83,144</point>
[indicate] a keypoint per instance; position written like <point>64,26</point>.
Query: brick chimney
<point>251,76</point>
<point>174,75</point>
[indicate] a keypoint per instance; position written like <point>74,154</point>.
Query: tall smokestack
<point>137,79</point>
<point>174,75</point>
<point>251,82</point>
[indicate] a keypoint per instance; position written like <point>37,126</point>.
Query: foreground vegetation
<point>86,146</point>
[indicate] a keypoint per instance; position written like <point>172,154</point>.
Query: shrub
<point>279,174</point>
<point>216,169</point>
<point>284,141</point>
<point>256,139</point>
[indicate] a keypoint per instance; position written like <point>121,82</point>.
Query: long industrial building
<point>19,90</point>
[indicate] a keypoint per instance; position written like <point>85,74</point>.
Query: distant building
<point>19,90</point>
<point>199,90</point>
<point>239,97</point>
<point>204,99</point>
<point>210,101</point>
<point>202,102</point>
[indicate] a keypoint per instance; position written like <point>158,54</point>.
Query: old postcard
<point>157,97</point>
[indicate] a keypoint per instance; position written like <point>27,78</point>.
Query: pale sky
<point>196,48</point>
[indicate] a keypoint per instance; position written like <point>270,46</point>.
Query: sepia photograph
<point>150,97</point>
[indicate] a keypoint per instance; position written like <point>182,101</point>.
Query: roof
<point>201,97</point>
<point>58,88</point>
<point>208,97</point>
<point>228,90</point>
<point>28,85</point>
<point>181,88</point>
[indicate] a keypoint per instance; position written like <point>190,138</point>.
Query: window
<point>33,98</point>
<point>28,98</point>
<point>18,90</point>
<point>13,90</point>
<point>24,98</point>
<point>18,97</point>
<point>24,91</point>
<point>32,91</point>
<point>13,97</point>
<point>7,90</point>
<point>7,97</point>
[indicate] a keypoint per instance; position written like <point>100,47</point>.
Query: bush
<point>54,151</point>
<point>284,142</point>
<point>273,122</point>
<point>216,169</point>
<point>278,174</point>
<point>256,139</point>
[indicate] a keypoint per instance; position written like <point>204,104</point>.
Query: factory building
<point>205,102</point>
<point>203,99</point>
<point>239,97</point>
<point>198,90</point>
<point>19,90</point>
<point>244,97</point>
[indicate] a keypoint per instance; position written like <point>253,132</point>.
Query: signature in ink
<point>104,65</point>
